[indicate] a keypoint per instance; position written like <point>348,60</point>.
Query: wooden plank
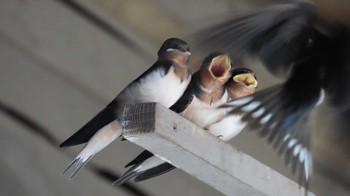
<point>202,155</point>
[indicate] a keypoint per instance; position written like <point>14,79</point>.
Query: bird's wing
<point>275,34</point>
<point>274,113</point>
<point>83,135</point>
<point>162,66</point>
<point>154,172</point>
<point>108,114</point>
<point>150,173</point>
<point>140,158</point>
<point>281,114</point>
<point>336,76</point>
<point>187,98</point>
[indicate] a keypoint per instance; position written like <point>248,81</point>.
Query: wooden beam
<point>201,154</point>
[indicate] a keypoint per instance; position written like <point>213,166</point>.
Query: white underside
<point>227,128</point>
<point>203,114</point>
<point>165,90</point>
<point>100,140</point>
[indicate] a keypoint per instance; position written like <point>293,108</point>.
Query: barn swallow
<point>164,82</point>
<point>311,50</point>
<point>203,95</point>
<point>242,83</point>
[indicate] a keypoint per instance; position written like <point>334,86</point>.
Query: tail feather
<point>143,169</point>
<point>78,164</point>
<point>125,178</point>
<point>154,172</point>
<point>69,166</point>
<point>140,175</point>
<point>99,141</point>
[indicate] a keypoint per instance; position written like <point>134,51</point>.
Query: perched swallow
<point>164,82</point>
<point>312,50</point>
<point>242,83</point>
<point>198,104</point>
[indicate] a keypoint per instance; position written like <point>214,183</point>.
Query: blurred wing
<point>276,35</point>
<point>337,74</point>
<point>281,114</point>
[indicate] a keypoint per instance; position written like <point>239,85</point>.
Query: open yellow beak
<point>247,78</point>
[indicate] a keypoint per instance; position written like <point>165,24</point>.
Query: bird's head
<point>174,49</point>
<point>243,82</point>
<point>215,70</point>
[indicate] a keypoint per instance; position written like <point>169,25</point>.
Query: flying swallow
<point>198,104</point>
<point>164,82</point>
<point>306,46</point>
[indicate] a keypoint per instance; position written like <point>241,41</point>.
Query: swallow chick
<point>198,104</point>
<point>242,83</point>
<point>307,47</point>
<point>164,82</point>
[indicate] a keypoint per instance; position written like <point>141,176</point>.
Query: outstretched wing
<point>275,34</point>
<point>281,113</point>
<point>336,75</point>
<point>283,121</point>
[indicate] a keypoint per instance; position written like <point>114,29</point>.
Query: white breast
<point>227,128</point>
<point>155,87</point>
<point>203,114</point>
